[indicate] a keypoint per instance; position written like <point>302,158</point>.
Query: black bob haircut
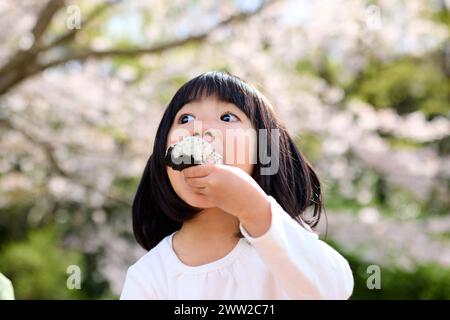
<point>158,211</point>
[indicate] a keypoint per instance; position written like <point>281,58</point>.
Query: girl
<point>233,230</point>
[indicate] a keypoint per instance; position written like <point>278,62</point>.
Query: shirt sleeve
<point>136,288</point>
<point>306,267</point>
<point>6,288</point>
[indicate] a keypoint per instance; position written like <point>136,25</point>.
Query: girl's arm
<point>307,267</point>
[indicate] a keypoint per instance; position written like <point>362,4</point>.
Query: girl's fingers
<point>197,171</point>
<point>199,191</point>
<point>197,182</point>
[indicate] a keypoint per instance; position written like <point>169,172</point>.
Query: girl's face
<point>225,126</point>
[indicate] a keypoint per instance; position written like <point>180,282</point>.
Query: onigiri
<point>191,151</point>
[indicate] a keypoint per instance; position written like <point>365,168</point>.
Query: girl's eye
<point>229,117</point>
<point>185,118</point>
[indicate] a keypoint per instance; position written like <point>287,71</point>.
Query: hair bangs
<point>225,87</point>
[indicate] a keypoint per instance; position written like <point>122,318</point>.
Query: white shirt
<point>287,262</point>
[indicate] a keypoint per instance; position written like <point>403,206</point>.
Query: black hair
<point>158,211</point>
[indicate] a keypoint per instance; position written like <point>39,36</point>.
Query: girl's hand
<point>234,191</point>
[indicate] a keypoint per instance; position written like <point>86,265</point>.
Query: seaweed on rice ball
<point>191,151</point>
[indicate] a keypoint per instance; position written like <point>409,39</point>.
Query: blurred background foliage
<point>363,86</point>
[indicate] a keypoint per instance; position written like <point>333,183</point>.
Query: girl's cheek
<point>250,157</point>
<point>176,180</point>
<point>240,151</point>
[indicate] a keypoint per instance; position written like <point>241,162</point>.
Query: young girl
<point>236,230</point>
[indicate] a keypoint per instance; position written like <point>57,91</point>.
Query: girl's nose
<point>205,130</point>
<point>208,135</point>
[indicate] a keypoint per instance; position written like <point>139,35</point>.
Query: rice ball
<point>191,151</point>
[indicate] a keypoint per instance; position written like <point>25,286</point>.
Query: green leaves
<point>37,266</point>
<point>406,85</point>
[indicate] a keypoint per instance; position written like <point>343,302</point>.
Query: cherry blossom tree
<point>79,108</point>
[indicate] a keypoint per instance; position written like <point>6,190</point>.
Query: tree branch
<point>70,35</point>
<point>22,58</point>
<point>83,54</point>
<point>23,67</point>
<point>45,17</point>
<point>49,151</point>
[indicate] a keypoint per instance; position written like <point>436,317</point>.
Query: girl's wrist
<point>257,219</point>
